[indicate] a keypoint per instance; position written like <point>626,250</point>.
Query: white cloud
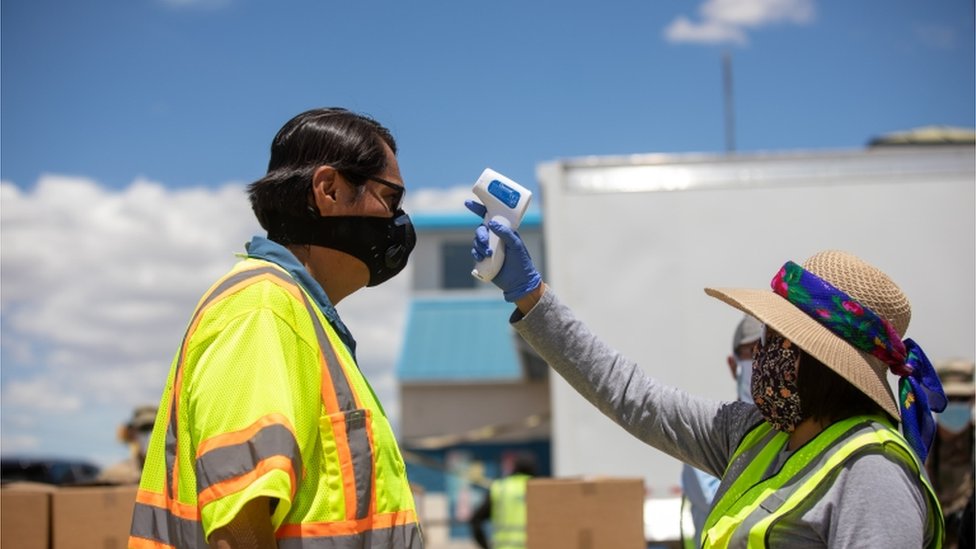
<point>726,21</point>
<point>439,200</point>
<point>707,32</point>
<point>97,288</point>
<point>757,13</point>
<point>42,395</point>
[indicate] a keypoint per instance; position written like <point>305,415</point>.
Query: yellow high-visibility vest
<point>749,510</point>
<point>264,400</point>
<point>508,512</point>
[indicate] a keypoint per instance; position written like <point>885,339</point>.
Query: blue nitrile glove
<point>518,275</point>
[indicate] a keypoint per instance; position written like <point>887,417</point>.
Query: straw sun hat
<point>867,285</point>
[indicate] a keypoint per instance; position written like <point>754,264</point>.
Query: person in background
<point>967,526</point>
<point>135,435</point>
<point>950,464</point>
<point>505,507</point>
<point>747,334</point>
<point>269,433</point>
<point>817,460</point>
<point>697,486</point>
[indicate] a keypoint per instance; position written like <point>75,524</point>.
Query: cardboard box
<point>25,515</point>
<point>597,513</point>
<point>92,516</point>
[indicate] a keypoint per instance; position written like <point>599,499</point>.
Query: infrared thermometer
<point>506,202</point>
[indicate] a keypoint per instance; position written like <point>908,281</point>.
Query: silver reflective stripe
<point>362,459</point>
<point>739,463</point>
<point>872,438</point>
<point>171,446</point>
<point>406,536</point>
<point>810,472</point>
<point>160,525</point>
<point>232,461</point>
<point>789,492</point>
<point>344,395</point>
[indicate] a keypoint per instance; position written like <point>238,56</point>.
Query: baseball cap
<point>748,331</point>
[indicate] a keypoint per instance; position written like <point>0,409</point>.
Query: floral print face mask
<point>774,383</point>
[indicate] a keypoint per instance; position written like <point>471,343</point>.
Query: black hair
<point>827,397</point>
<point>351,143</point>
<point>524,465</point>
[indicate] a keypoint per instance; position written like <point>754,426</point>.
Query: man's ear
<point>325,182</point>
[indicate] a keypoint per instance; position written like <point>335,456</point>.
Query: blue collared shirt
<point>261,248</point>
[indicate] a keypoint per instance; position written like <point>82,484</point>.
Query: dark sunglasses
<point>400,190</point>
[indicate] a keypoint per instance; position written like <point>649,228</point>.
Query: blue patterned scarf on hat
<point>920,391</point>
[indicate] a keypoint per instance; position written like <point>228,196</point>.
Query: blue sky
<point>130,127</point>
<point>189,92</point>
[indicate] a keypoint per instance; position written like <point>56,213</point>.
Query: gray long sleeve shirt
<point>873,502</point>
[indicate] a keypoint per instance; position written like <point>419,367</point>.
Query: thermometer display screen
<point>507,195</point>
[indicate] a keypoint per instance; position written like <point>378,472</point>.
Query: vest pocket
<point>348,461</point>
<point>392,490</point>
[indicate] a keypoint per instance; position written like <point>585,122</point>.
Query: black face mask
<point>382,243</point>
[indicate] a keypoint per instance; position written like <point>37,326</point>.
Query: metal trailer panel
<point>632,241</point>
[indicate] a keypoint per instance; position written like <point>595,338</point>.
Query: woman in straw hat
<point>818,460</point>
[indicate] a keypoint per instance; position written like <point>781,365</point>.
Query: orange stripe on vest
<point>347,527</point>
<point>136,542</point>
<point>181,510</point>
<point>245,434</point>
<point>237,484</point>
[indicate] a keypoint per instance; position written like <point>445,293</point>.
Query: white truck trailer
<point>632,241</point>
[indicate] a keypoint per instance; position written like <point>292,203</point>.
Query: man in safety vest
<point>268,434</point>
<point>505,504</point>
